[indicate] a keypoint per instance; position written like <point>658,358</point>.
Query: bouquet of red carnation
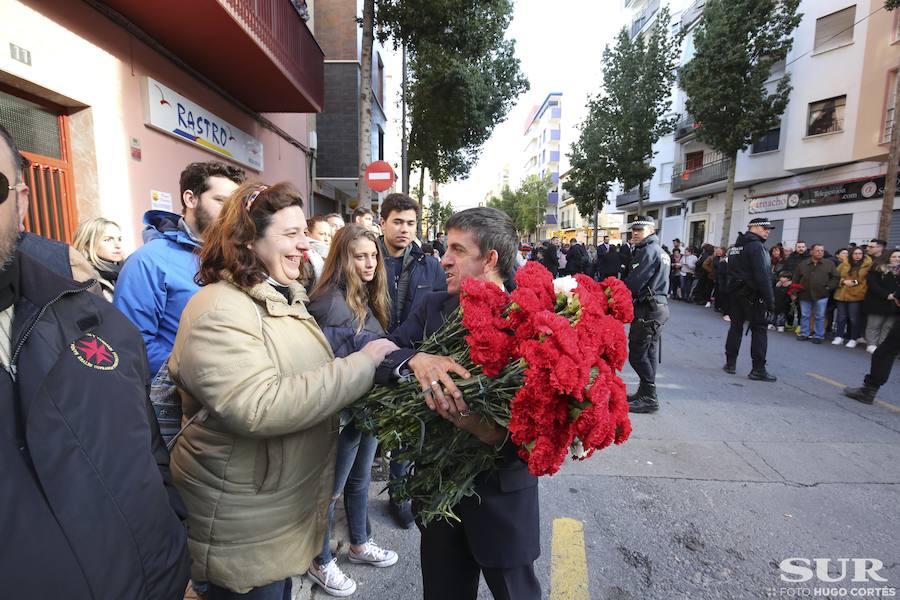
<point>794,290</point>
<point>544,362</point>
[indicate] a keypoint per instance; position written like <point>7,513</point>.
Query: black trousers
<point>643,338</point>
<point>450,572</point>
<point>884,357</point>
<point>742,310</point>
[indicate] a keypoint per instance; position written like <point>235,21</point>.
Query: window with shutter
<point>826,116</point>
<point>40,132</point>
<point>889,107</point>
<point>835,29</point>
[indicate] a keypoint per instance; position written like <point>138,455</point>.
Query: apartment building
<point>819,175</point>
<point>337,127</point>
<point>542,153</point>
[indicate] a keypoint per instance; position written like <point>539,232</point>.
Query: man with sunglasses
<point>648,280</point>
<point>86,475</point>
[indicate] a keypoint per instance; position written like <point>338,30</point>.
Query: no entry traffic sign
<point>380,176</point>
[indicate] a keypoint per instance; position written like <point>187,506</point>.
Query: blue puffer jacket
<point>156,283</point>
<point>339,324</point>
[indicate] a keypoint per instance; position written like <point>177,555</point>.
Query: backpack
<point>166,403</point>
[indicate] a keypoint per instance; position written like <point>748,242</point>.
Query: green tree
<point>737,43</point>
<point>638,76</point>
<point>438,215</point>
<point>592,172</point>
<point>463,78</point>
<point>527,205</point>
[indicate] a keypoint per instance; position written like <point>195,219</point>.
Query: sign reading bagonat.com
<point>172,113</point>
<point>833,193</point>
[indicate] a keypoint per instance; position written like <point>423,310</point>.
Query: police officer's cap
<point>642,221</point>
<point>760,222</point>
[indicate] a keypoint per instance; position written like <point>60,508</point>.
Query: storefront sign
<point>844,191</point>
<point>172,113</point>
<point>769,203</point>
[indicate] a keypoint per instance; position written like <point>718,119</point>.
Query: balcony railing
<point>686,178</point>
<point>686,127</point>
<point>631,196</point>
<point>639,21</point>
<point>278,27</point>
<point>261,52</point>
<point>692,13</point>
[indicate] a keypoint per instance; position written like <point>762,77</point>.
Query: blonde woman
<point>100,241</point>
<point>351,304</point>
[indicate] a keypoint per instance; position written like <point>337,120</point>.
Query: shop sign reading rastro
<point>172,113</point>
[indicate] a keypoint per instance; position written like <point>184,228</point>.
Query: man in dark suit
<point>577,258</point>
<point>499,536</point>
<point>604,247</point>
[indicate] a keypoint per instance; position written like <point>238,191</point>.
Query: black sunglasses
<point>5,188</point>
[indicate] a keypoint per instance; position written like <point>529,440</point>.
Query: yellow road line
<point>888,405</point>
<point>827,380</point>
<point>568,561</point>
<point>837,384</point>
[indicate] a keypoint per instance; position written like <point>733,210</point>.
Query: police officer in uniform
<point>648,280</point>
<point>751,297</point>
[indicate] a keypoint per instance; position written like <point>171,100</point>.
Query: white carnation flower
<point>564,285</point>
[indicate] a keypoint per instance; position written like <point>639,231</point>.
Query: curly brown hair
<point>226,247</point>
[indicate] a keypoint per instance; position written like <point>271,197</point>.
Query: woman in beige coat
<point>849,297</point>
<point>257,472</point>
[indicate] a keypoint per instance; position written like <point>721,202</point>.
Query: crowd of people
<point>264,326</point>
<point>850,296</point>
<point>364,278</point>
<point>567,258</point>
<point>846,296</point>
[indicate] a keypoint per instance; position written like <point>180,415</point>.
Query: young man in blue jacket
<point>411,276</point>
<point>158,279</point>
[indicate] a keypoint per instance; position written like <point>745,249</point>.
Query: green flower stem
<point>446,460</point>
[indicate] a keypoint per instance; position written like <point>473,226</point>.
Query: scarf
<point>108,270</point>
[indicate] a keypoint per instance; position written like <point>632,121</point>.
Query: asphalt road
<point>711,493</point>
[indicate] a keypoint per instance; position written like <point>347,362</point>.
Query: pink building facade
<point>79,77</point>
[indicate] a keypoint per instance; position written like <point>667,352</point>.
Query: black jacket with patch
<point>89,511</point>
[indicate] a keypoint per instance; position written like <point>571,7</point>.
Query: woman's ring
<point>464,413</point>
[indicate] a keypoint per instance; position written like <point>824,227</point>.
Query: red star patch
<point>94,352</point>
